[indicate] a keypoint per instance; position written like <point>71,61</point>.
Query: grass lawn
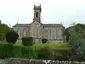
<point>57,46</point>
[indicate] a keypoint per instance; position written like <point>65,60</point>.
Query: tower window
<point>36,14</point>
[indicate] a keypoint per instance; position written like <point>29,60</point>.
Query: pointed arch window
<point>49,34</point>
<point>24,32</point>
<point>35,32</point>
<point>54,33</point>
<point>19,32</point>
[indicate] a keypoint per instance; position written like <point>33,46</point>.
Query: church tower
<point>37,13</point>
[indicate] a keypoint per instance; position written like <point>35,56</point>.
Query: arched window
<point>35,32</point>
<point>24,32</point>
<point>19,32</point>
<point>54,34</point>
<point>36,14</point>
<point>49,34</point>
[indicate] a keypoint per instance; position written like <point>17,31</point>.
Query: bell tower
<point>37,13</point>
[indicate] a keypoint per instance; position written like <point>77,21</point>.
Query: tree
<point>76,39</point>
<point>3,30</point>
<point>11,37</point>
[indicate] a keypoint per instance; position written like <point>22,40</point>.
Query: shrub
<point>45,53</point>
<point>78,58</point>
<point>44,40</point>
<point>11,37</point>
<point>62,55</point>
<point>16,51</point>
<point>37,51</point>
<point>23,52</point>
<point>27,41</point>
<point>3,30</point>
<point>6,50</point>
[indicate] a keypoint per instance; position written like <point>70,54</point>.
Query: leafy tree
<point>11,37</point>
<point>3,30</point>
<point>76,39</point>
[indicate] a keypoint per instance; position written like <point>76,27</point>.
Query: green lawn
<point>59,46</point>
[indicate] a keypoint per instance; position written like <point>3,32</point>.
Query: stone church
<point>52,32</point>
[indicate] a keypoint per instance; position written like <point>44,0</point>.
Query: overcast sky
<point>53,11</point>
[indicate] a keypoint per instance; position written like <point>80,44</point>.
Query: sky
<point>53,11</point>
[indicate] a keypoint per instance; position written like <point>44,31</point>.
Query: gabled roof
<point>21,25</point>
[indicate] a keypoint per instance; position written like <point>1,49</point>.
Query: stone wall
<point>31,61</point>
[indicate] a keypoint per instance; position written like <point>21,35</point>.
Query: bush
<point>11,37</point>
<point>62,55</point>
<point>6,50</point>
<point>44,40</point>
<point>37,51</point>
<point>78,58</point>
<point>3,30</point>
<point>27,41</point>
<point>45,53</point>
<point>16,51</point>
<point>23,52</point>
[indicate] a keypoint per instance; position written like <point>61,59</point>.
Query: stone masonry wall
<point>31,61</point>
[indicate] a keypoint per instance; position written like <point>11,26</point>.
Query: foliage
<point>44,40</point>
<point>2,36</point>
<point>3,30</point>
<point>11,37</point>
<point>34,52</point>
<point>16,51</point>
<point>62,55</point>
<point>76,39</point>
<point>61,51</point>
<point>78,58</point>
<point>6,50</point>
<point>27,41</point>
<point>44,52</point>
<point>56,46</point>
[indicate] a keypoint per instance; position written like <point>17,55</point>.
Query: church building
<point>52,32</point>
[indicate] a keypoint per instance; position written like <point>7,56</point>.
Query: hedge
<point>44,40</point>
<point>34,52</point>
<point>16,51</point>
<point>27,41</point>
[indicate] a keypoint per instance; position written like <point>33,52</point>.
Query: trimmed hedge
<point>36,51</point>
<point>44,40</point>
<point>16,51</point>
<point>11,36</point>
<point>27,41</point>
<point>45,53</point>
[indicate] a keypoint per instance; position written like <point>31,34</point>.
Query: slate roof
<point>21,25</point>
<point>52,25</point>
<point>45,25</point>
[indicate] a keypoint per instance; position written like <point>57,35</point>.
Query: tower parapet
<point>37,13</point>
<point>37,7</point>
